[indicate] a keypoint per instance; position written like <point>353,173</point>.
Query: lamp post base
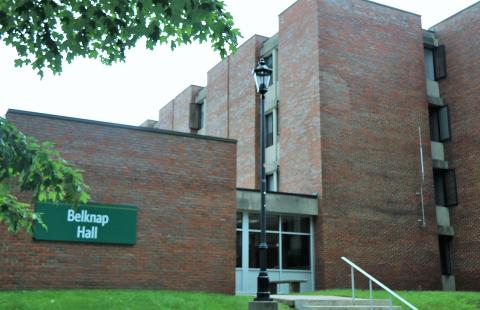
<point>263,305</point>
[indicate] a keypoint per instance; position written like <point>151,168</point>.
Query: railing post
<point>353,283</point>
<point>371,293</point>
<point>373,280</point>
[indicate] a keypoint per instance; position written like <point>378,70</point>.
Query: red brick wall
<point>352,93</point>
<point>231,107</point>
<point>299,92</point>
<point>243,110</point>
<point>216,101</point>
<point>461,90</point>
<point>184,188</point>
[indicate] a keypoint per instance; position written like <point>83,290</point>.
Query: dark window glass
<point>440,62</point>
<point>239,220</point>
<point>445,243</point>
<point>429,64</point>
<point>439,183</point>
<point>269,63</point>
<point>296,224</point>
<point>271,183</point>
<point>295,252</point>
<point>272,252</point>
<point>254,221</point>
<point>434,127</point>
<point>450,186</point>
<point>439,124</point>
<point>239,249</point>
<point>269,124</point>
<point>445,183</point>
<point>201,112</point>
<point>444,123</point>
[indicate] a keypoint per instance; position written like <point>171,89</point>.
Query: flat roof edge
<point>373,2</point>
<point>116,125</point>
<point>393,8</point>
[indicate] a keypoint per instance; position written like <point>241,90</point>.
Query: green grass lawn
<point>118,299</point>
<point>141,299</point>
<point>423,300</point>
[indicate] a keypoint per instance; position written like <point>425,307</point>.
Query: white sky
<point>134,91</point>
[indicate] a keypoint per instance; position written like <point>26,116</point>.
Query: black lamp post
<point>262,74</point>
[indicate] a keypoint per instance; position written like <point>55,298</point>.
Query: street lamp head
<point>262,74</point>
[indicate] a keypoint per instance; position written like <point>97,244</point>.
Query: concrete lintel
<point>201,95</point>
<point>445,230</point>
<point>435,101</point>
<point>269,45</point>
<point>439,164</point>
<point>248,200</point>
<point>437,150</point>
<point>443,216</point>
<point>428,38</point>
<point>433,89</point>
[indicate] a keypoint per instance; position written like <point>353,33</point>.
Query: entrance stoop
<point>306,302</point>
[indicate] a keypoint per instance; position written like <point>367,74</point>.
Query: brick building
<point>362,114</point>
<point>183,186</point>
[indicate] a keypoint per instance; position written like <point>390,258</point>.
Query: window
<point>300,224</point>
<point>254,222</point>
<point>272,251</point>
<point>271,182</point>
<point>445,245</point>
<point>295,252</point>
<point>272,225</point>
<point>439,124</point>
<point>435,63</point>
<point>201,115</point>
<point>445,187</point>
<point>269,63</point>
<point>440,62</point>
<point>269,127</point>
<point>295,242</point>
<point>197,115</point>
<point>239,240</point>
<point>288,240</point>
<point>429,64</point>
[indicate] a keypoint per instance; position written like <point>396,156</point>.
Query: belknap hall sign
<point>98,223</point>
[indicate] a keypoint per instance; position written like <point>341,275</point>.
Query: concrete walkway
<point>332,302</point>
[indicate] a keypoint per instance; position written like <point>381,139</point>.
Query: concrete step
<point>349,308</point>
<point>342,302</point>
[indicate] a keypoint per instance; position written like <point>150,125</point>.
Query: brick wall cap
<point>100,123</point>
<point>372,2</point>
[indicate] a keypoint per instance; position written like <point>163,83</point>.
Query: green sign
<point>97,223</point>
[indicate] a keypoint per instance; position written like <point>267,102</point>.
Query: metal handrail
<point>372,279</point>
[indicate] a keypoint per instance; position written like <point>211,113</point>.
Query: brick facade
<point>372,100</point>
<point>352,96</point>
<point>183,186</point>
<point>461,88</point>
<point>175,115</point>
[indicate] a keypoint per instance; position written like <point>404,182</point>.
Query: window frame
<point>437,126</point>
<point>201,115</point>
<point>280,233</point>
